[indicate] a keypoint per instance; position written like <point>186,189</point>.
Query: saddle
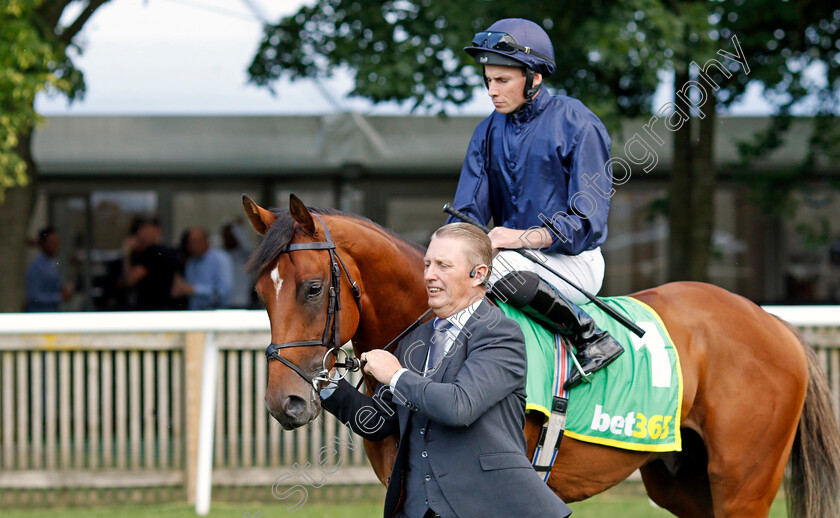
<point>634,403</point>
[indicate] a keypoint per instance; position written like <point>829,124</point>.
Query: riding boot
<point>536,298</point>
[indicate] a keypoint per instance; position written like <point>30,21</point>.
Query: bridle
<point>333,313</point>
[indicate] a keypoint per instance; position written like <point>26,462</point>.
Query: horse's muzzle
<point>292,411</point>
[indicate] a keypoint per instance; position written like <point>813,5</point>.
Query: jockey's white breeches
<point>585,269</point>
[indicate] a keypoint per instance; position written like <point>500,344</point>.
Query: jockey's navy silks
<point>541,166</point>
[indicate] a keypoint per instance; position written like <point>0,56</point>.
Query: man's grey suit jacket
<point>475,401</point>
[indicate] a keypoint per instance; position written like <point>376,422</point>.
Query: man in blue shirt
<point>43,282</point>
<point>537,168</point>
<point>208,273</point>
<point>236,245</point>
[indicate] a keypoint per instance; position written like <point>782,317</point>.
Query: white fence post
<point>204,462</point>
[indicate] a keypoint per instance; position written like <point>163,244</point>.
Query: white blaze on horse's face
<point>278,282</point>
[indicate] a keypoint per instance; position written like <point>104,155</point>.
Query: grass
<point>618,503</point>
<point>600,506</point>
<point>218,510</point>
<point>627,501</point>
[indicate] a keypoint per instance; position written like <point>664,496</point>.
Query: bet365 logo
<point>634,424</point>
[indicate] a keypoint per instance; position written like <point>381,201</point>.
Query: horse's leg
<point>679,482</point>
<point>747,457</point>
<point>581,469</point>
<point>745,480</point>
<point>750,427</point>
<point>382,455</point>
<point>745,401</point>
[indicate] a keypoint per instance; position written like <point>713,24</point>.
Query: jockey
<point>536,166</point>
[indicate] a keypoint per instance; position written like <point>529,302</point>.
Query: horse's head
<point>302,281</point>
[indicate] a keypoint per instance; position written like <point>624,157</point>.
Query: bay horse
<point>754,394</point>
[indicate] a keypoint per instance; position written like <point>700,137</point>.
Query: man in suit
<point>455,392</point>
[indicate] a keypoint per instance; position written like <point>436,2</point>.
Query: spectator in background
<point>113,295</point>
<point>237,246</point>
<point>208,274</point>
<point>179,295</point>
<point>43,282</point>
<point>149,266</point>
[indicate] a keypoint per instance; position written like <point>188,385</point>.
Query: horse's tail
<point>813,482</point>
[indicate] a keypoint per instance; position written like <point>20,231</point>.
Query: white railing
<point>821,327</point>
<point>120,400</point>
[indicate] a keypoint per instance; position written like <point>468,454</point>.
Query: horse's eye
<point>314,290</point>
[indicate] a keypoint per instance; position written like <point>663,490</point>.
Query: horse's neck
<point>391,282</point>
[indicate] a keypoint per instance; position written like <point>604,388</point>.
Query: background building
<point>98,172</point>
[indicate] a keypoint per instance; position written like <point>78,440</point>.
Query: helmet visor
<point>504,42</point>
<point>501,41</point>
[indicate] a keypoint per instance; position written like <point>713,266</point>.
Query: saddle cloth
<point>634,403</point>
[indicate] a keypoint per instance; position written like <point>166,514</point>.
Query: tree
<point>796,57</point>
<point>608,55</point>
<point>782,46</point>
<point>34,57</point>
<point>411,50</point>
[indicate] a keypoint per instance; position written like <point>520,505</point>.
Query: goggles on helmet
<point>504,42</point>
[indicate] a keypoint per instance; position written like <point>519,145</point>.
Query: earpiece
<point>473,272</point>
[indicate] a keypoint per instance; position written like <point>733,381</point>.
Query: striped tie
<point>436,348</point>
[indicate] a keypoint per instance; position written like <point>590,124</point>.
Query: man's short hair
<point>141,221</point>
<point>44,233</point>
<point>479,248</point>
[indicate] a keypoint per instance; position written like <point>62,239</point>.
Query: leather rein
<point>333,313</point>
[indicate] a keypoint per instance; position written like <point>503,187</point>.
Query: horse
<point>754,400</point>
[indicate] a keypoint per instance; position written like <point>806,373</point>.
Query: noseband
<point>333,313</point>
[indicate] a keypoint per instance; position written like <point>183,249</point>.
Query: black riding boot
<point>537,299</point>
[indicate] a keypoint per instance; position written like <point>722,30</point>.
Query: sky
<point>190,57</point>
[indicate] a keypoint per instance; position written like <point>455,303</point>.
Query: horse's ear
<point>301,214</point>
<point>261,219</point>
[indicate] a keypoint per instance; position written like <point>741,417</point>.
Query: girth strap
<point>552,432</point>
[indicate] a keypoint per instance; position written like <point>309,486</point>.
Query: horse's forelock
<point>279,234</point>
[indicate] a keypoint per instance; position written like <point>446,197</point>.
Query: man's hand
<point>502,238</point>
<point>382,365</point>
<point>129,245</point>
<point>181,288</point>
<point>135,274</point>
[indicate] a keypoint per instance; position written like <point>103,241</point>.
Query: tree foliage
<point>784,42</point>
<point>608,52</point>
<point>794,51</point>
<point>411,50</point>
<point>26,68</point>
<point>33,58</point>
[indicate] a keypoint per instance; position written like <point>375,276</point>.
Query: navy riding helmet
<point>515,42</point>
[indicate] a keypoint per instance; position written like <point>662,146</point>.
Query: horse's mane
<point>282,231</point>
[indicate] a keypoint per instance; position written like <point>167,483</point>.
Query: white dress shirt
<point>458,321</point>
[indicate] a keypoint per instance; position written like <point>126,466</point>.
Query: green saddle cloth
<point>634,403</point>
